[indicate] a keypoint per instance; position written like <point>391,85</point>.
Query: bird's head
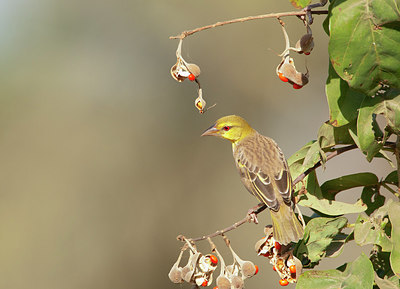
<point>231,127</point>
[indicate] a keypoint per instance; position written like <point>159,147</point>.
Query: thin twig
<point>390,189</point>
<point>317,165</point>
<point>187,33</point>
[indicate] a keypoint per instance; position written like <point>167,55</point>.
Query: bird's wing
<point>264,170</point>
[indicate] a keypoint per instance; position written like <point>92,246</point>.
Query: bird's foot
<point>252,217</point>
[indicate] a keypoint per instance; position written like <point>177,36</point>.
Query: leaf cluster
<point>363,94</point>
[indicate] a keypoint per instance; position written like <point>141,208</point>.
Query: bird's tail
<point>287,227</point>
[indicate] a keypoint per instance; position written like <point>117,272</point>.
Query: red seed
<point>191,77</point>
<point>307,53</point>
<point>277,245</point>
<point>282,77</point>
<point>296,86</point>
<point>215,287</point>
<point>292,269</point>
<point>273,267</point>
<point>283,282</point>
<point>213,259</point>
<point>256,269</point>
<point>204,284</point>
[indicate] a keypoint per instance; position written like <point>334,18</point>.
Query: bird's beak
<point>212,130</point>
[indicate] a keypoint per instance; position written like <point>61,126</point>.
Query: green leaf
<point>369,134</point>
<point>314,199</point>
<point>386,283</point>
<point>370,230</point>
<point>365,43</point>
<point>313,156</point>
<point>300,3</point>
<point>332,187</point>
<point>394,216</point>
<point>343,101</point>
<point>329,135</point>
<point>318,235</point>
<point>392,178</point>
<point>358,274</point>
<point>372,198</point>
<point>297,162</point>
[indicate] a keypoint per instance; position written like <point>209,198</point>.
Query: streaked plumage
<point>264,172</point>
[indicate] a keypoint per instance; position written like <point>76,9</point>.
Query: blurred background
<point>101,160</point>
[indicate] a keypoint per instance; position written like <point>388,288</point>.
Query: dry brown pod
<point>223,282</point>
<point>287,69</point>
<point>305,44</point>
<point>237,282</point>
<point>248,269</point>
<point>190,267</point>
<point>175,274</point>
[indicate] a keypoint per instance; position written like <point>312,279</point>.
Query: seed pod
<point>248,269</point>
<point>200,103</point>
<point>305,44</point>
<point>288,70</point>
<point>181,69</point>
<point>223,282</point>
<point>237,282</point>
<point>299,267</point>
<point>190,267</point>
<point>201,280</point>
<point>185,270</point>
<point>208,264</point>
<point>175,274</point>
<point>193,69</point>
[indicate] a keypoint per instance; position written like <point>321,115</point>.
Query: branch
<point>186,33</point>
<point>261,207</point>
<point>317,165</point>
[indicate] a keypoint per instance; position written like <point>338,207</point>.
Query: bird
<point>264,172</point>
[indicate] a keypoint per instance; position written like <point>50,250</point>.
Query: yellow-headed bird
<point>264,172</point>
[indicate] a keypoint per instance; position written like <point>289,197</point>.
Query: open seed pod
<point>287,72</point>
<point>288,267</point>
<point>200,103</point>
<point>181,69</point>
<point>208,263</point>
<point>265,246</point>
<point>189,270</point>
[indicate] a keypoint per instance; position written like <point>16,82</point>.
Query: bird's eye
<point>226,128</point>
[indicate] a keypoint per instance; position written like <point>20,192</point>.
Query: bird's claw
<point>252,216</point>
